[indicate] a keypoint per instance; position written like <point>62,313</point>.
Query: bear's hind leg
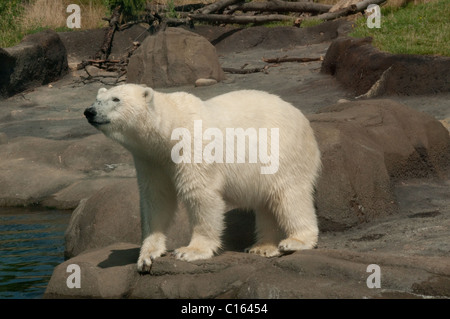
<point>268,234</point>
<point>297,217</point>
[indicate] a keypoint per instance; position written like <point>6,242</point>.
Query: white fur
<point>143,121</point>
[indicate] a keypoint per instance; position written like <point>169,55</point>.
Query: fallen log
<point>281,6</point>
<point>130,24</point>
<point>216,6</point>
<point>175,22</point>
<point>241,19</point>
<point>354,8</point>
<point>259,19</point>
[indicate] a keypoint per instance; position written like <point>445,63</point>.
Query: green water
<point>31,245</point>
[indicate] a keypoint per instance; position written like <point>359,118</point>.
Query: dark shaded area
<point>240,230</point>
<point>120,257</point>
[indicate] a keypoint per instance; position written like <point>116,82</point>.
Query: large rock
<point>59,173</point>
<point>39,59</point>
<point>174,57</point>
<point>366,146</point>
<point>414,143</point>
<point>25,183</point>
<point>103,219</point>
<point>358,66</point>
<point>110,272</point>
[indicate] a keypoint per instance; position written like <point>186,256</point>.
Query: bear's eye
<point>116,99</point>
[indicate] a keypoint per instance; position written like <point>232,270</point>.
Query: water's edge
<point>31,245</point>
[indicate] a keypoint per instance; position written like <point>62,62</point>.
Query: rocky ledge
<point>110,272</point>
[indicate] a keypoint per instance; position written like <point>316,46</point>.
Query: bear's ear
<point>102,90</point>
<point>148,94</point>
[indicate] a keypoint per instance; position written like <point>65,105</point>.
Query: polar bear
<point>211,177</point>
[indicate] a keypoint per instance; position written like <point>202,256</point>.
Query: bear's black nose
<point>90,113</point>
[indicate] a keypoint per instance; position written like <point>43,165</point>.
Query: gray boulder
<point>59,173</point>
<point>110,272</point>
<point>39,59</point>
<point>103,219</point>
<point>366,147</point>
<point>358,66</point>
<point>174,57</point>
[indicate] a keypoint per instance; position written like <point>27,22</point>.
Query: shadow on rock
<point>120,257</point>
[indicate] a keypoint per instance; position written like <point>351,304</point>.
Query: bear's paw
<point>147,255</point>
<point>292,244</point>
<point>265,250</point>
<point>191,253</point>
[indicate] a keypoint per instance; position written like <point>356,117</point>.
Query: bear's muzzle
<point>91,115</point>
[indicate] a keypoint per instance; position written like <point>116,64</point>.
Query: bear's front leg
<point>156,216</point>
<point>158,204</point>
<point>206,214</point>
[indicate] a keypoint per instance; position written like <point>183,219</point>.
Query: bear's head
<point>120,109</point>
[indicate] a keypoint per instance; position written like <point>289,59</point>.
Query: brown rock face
<point>358,66</point>
<point>366,146</point>
<point>39,59</point>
